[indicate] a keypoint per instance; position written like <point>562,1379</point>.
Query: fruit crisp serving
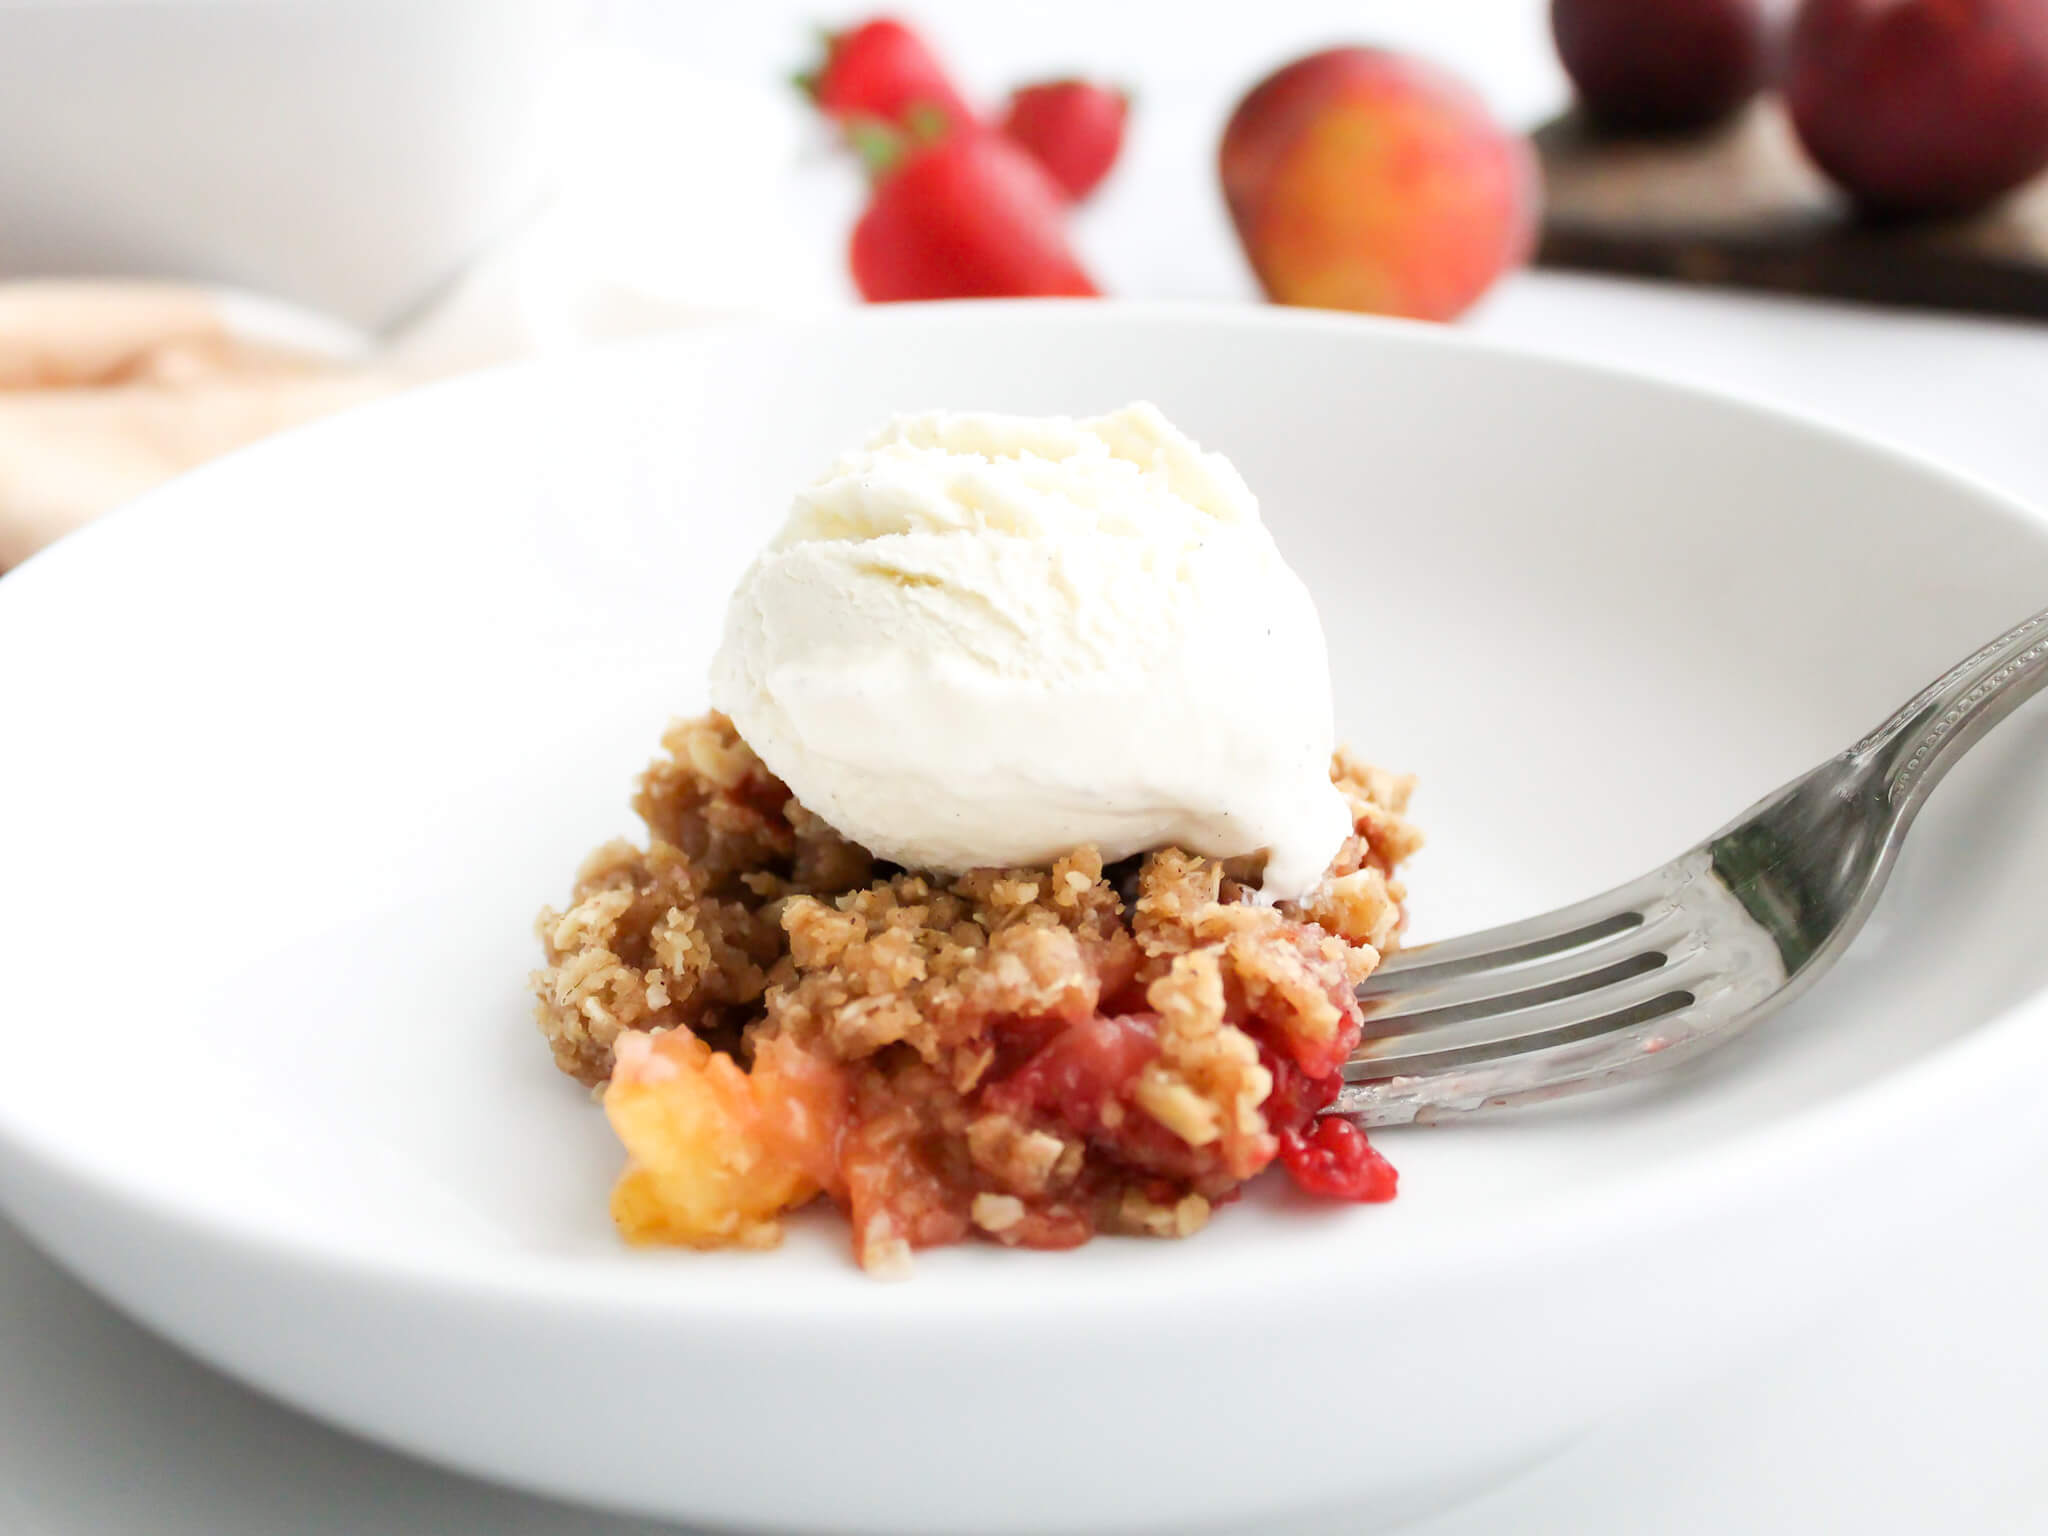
<point>1016,889</point>
<point>1023,1055</point>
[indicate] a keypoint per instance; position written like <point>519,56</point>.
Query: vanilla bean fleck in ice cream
<point>987,639</point>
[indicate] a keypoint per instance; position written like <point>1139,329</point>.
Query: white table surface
<point>1920,1404</point>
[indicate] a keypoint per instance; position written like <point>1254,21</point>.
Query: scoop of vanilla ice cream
<point>989,639</point>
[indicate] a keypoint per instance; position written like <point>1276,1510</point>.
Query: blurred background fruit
<point>965,216</point>
<point>883,71</point>
<point>1073,128</point>
<point>1364,179</point>
<point>1922,106</point>
<point>1662,65</point>
<point>959,207</point>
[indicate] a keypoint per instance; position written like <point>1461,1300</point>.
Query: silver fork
<point>1691,954</point>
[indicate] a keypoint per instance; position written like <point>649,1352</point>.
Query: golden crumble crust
<point>1030,1055</point>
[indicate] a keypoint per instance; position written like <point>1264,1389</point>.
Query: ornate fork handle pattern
<point>1922,739</point>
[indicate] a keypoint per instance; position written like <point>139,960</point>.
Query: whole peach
<point>1922,106</point>
<point>1363,179</point>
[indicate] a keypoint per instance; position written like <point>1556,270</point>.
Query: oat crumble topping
<point>1030,1056</point>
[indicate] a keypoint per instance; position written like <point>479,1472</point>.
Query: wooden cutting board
<point>1742,206</point>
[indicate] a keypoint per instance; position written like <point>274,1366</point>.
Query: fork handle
<point>1918,744</point>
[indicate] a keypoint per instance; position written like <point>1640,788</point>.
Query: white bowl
<point>348,155</point>
<point>309,736</point>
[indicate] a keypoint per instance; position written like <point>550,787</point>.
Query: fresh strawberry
<point>968,216</point>
<point>1073,128</point>
<point>881,71</point>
